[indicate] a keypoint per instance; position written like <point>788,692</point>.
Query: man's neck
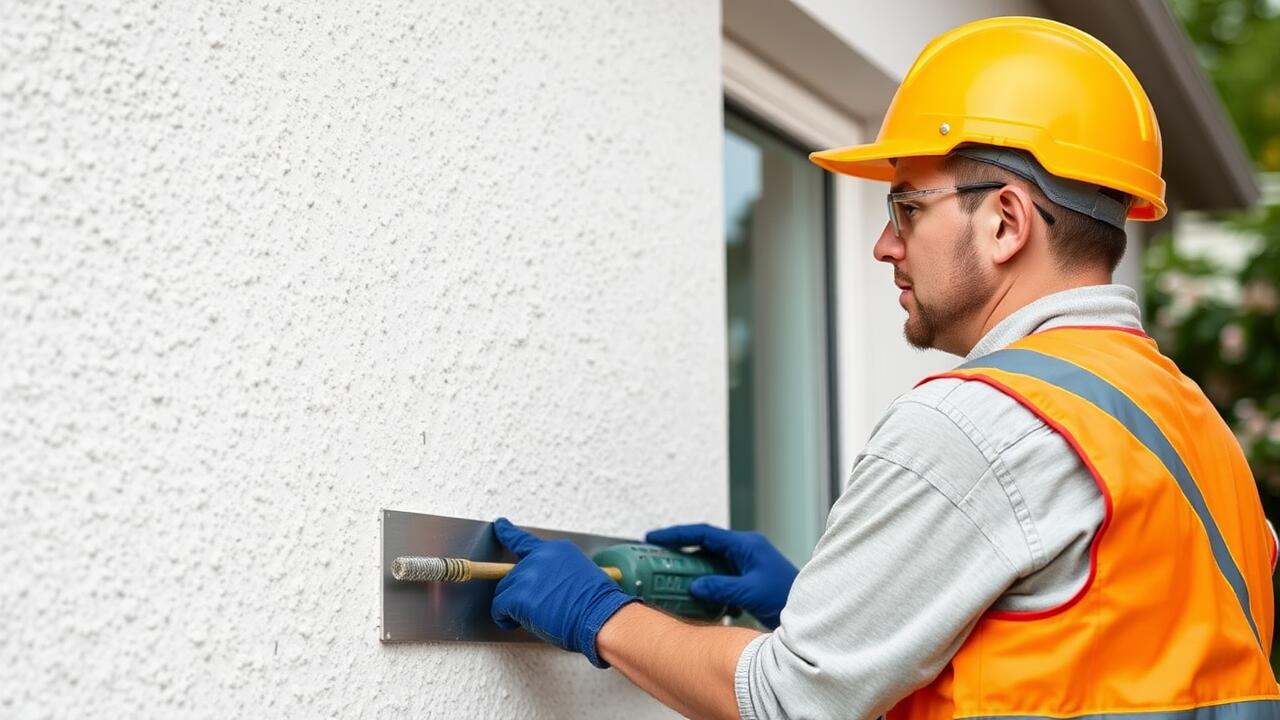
<point>1017,294</point>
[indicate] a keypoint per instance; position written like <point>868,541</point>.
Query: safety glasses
<point>903,205</point>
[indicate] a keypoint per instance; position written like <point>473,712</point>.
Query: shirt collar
<point>1098,305</point>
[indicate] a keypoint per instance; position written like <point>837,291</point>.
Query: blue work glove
<point>554,592</point>
<point>763,579</point>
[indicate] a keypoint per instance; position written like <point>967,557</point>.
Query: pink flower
<point>1251,423</point>
<point>1260,297</point>
<point>1232,342</point>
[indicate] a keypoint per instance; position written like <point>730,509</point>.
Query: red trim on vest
<point>1097,479</point>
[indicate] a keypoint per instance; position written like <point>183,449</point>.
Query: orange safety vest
<point>1175,619</point>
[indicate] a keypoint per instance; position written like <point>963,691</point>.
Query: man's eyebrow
<point>903,186</point>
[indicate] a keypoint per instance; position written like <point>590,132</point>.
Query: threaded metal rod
<point>438,569</point>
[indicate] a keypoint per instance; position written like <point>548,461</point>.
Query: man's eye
<point>909,210</point>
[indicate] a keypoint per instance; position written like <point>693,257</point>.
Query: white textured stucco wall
<point>251,252</point>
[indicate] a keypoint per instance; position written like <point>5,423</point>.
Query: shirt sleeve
<point>896,583</point>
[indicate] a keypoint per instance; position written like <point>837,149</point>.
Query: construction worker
<point>1060,527</point>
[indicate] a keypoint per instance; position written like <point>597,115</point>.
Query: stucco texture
<point>266,268</point>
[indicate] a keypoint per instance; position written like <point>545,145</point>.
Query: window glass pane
<point>775,253</point>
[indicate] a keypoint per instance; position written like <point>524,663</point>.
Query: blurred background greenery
<point>1212,285</point>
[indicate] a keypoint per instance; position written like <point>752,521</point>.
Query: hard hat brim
<point>872,162</point>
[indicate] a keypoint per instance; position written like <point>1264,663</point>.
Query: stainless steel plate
<point>450,611</point>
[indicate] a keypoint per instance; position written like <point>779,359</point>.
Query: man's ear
<point>1014,213</point>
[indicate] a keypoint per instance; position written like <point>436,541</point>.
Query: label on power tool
<point>671,583</point>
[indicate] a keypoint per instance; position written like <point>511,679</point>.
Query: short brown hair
<point>1076,240</point>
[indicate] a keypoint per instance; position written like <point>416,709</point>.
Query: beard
<point>971,288</point>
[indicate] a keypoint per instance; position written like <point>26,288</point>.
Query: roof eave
<point>1205,162</point>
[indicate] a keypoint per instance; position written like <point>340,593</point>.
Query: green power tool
<point>657,575</point>
<point>661,577</point>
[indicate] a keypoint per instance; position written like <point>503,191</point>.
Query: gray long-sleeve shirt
<point>962,501</point>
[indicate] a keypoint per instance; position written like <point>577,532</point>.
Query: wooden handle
<point>488,570</point>
<point>436,569</point>
<point>496,571</point>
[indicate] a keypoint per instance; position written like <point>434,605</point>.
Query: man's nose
<point>889,248</point>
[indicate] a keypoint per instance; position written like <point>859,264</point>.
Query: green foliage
<point>1239,45</point>
<point>1223,330</point>
<point>1222,326</point>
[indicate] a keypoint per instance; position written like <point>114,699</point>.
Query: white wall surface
<point>251,252</point>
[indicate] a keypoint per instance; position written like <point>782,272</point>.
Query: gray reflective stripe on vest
<point>1247,710</point>
<point>1077,380</point>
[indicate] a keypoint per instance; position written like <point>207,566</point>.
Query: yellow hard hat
<point>1024,83</point>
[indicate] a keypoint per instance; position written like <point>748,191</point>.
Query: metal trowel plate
<point>450,611</point>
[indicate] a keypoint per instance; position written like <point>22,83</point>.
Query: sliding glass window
<point>779,333</point>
